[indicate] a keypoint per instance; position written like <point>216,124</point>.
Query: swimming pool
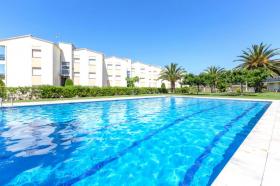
<point>153,141</point>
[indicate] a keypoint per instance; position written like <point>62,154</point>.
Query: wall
<point>85,67</point>
<point>56,65</point>
<point>273,86</point>
<point>18,62</point>
<point>117,69</point>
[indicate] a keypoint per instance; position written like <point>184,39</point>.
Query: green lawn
<point>264,95</point>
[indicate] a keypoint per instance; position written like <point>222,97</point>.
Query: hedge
<point>40,92</point>
<point>183,90</point>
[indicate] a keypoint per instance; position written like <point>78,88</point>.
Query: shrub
<point>163,89</point>
<point>3,90</point>
<point>47,91</point>
<point>183,90</point>
<point>68,82</point>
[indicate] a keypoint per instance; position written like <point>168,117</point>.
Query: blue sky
<point>192,33</point>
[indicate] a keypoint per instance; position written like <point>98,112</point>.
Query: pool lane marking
<point>110,159</point>
<point>239,138</point>
<point>189,174</point>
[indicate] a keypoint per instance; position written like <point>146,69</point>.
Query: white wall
<point>67,53</point>
<point>85,55</point>
<point>117,69</point>
<point>148,74</point>
<point>273,86</point>
<point>56,65</point>
<point>19,61</point>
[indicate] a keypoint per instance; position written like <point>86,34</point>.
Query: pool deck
<point>256,161</point>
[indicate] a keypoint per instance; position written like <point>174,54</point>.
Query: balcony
<point>65,69</point>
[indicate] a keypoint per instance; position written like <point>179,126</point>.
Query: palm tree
<point>260,56</point>
<point>172,73</point>
<point>213,74</point>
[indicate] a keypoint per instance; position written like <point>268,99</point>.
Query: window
<point>142,69</point>
<point>2,53</point>
<point>91,75</point>
<point>77,59</point>
<point>118,75</point>
<point>36,71</point>
<point>91,60</point>
<point>109,65</point>
<point>110,76</point>
<point>64,63</point>
<point>36,53</point>
<point>65,68</point>
<point>76,74</point>
<point>118,65</point>
<point>2,71</point>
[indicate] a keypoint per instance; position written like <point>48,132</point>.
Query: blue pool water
<point>158,141</point>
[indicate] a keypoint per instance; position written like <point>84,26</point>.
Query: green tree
<point>213,74</point>
<point>195,80</point>
<point>256,78</point>
<point>3,90</point>
<point>131,81</point>
<point>172,73</point>
<point>224,80</point>
<point>260,56</point>
<point>68,82</point>
<point>240,76</point>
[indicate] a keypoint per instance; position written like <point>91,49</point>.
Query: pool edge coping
<point>256,161</point>
<point>36,103</point>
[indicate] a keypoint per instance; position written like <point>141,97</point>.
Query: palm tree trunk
<point>241,87</point>
<point>172,86</point>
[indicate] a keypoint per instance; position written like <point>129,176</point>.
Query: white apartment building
<point>117,70</point>
<point>88,68</point>
<point>148,75</point>
<point>31,61</point>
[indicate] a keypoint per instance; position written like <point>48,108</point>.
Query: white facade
<point>88,68</point>
<point>273,84</point>
<point>117,70</point>
<point>66,59</point>
<point>31,61</point>
<point>148,75</point>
